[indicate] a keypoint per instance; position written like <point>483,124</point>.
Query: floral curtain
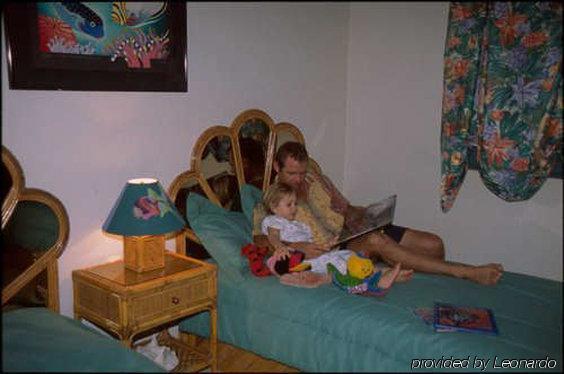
<point>503,95</point>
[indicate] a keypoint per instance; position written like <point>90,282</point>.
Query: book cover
<point>448,317</point>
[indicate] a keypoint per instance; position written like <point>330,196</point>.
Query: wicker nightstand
<point>127,303</point>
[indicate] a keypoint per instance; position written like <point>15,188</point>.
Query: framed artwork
<point>97,46</point>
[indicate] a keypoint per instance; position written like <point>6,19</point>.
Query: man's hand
<point>330,244</point>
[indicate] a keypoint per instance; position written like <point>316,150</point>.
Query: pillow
<point>222,232</point>
<point>250,196</point>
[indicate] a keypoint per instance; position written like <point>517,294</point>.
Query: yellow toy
<point>360,278</point>
<point>359,267</point>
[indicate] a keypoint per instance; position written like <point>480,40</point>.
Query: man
<point>322,206</point>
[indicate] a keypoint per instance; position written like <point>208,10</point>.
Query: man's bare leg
<point>381,246</point>
<point>429,244</point>
<point>424,243</point>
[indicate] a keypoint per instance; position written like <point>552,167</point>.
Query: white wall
<point>286,59</point>
<point>395,67</point>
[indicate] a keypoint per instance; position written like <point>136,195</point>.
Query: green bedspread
<point>325,329</point>
<point>37,340</point>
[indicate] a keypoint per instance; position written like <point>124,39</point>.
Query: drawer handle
<point>175,300</point>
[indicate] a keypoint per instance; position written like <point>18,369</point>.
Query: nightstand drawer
<point>172,299</point>
<point>98,301</point>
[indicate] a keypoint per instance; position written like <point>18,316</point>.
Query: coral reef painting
<point>134,31</point>
<point>97,46</point>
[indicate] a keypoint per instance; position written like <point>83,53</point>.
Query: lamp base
<point>143,253</point>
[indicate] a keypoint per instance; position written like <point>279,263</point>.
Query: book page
<point>376,216</point>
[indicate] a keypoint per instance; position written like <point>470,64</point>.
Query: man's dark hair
<point>291,149</point>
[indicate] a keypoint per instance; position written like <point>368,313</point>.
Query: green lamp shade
<point>143,208</point>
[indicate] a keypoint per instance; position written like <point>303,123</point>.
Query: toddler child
<point>280,200</point>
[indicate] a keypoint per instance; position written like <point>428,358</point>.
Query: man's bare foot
<point>495,265</point>
<point>389,276</point>
<point>485,274</point>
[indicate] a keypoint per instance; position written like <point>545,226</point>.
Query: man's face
<point>293,172</point>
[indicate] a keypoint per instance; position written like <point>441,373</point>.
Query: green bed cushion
<point>250,196</point>
<point>325,329</point>
<point>222,233</point>
<point>37,340</point>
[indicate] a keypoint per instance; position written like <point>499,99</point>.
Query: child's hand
<point>281,253</point>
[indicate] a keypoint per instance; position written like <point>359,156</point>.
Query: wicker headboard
<point>35,230</point>
<point>226,157</point>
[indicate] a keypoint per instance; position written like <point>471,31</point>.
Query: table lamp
<point>143,214</point>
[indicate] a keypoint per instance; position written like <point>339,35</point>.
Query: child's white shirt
<point>297,231</point>
<point>290,231</point>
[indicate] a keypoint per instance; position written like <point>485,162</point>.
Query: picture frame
<point>29,68</point>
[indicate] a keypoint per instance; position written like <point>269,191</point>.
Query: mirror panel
<point>253,144</point>
<point>184,184</point>
<point>33,295</point>
<point>285,132</point>
<point>218,169</point>
<point>188,185</point>
<point>12,184</point>
<point>31,231</point>
<point>191,185</point>
<point>7,183</point>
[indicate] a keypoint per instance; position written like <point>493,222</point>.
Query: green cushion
<point>39,340</point>
<point>250,196</point>
<point>222,233</point>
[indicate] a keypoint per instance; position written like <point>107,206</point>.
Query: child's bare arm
<point>310,249</point>
<point>281,251</point>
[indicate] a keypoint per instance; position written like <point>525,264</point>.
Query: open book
<point>376,216</point>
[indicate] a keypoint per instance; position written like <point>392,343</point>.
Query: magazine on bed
<point>376,216</point>
<point>448,317</point>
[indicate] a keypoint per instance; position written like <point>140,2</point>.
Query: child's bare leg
<point>404,275</point>
<point>389,276</point>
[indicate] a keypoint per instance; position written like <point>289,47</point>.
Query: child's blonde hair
<point>275,193</point>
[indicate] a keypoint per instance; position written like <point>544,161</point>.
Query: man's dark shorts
<point>394,232</point>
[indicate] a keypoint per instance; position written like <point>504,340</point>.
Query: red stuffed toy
<point>256,256</point>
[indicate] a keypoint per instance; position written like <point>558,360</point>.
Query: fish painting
<point>81,18</point>
<point>52,28</point>
<point>137,14</point>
